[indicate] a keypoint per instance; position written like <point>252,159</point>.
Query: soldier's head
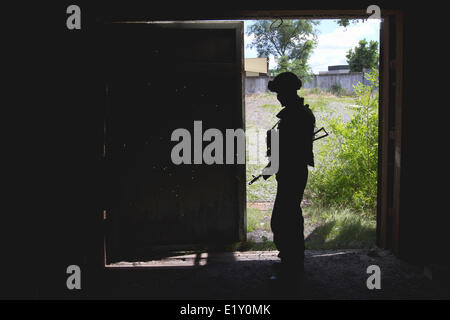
<point>285,85</point>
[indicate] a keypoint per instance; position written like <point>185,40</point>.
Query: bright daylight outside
<point>337,61</point>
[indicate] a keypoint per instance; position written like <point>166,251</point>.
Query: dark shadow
<point>350,235</point>
<point>198,257</point>
<point>354,235</point>
<point>319,234</point>
<point>219,254</point>
<point>214,253</point>
<point>329,274</point>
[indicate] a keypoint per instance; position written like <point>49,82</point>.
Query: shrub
<point>346,170</point>
<point>310,91</point>
<point>337,90</point>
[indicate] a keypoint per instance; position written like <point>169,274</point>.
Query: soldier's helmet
<point>286,81</point>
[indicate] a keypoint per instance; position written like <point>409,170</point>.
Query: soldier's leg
<point>291,223</point>
<point>287,222</point>
<point>293,240</point>
<point>276,220</point>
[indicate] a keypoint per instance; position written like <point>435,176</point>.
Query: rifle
<point>256,178</point>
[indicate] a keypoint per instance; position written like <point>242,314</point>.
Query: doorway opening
<point>339,69</point>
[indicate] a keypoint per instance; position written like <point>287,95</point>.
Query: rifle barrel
<point>255,179</point>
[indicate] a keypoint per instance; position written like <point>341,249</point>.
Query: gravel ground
<point>337,109</point>
<point>329,274</point>
<point>257,115</point>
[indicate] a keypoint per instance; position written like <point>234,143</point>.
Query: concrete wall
<point>326,81</point>
<point>256,84</point>
<point>322,81</point>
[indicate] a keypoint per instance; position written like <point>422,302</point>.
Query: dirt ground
<point>329,274</point>
<point>255,114</point>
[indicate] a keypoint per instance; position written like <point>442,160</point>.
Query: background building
<point>256,75</point>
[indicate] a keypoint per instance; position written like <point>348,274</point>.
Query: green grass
<point>261,190</point>
<point>272,108</point>
<point>320,103</point>
<point>257,219</point>
<point>266,245</point>
<point>340,228</point>
<point>322,92</point>
<point>334,228</point>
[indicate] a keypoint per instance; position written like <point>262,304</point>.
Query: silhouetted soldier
<point>296,130</point>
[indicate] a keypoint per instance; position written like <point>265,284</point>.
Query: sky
<point>334,42</point>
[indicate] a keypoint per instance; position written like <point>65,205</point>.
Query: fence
<point>345,80</point>
<point>321,81</point>
<point>256,84</point>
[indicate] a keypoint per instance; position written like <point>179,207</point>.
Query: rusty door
<point>160,77</point>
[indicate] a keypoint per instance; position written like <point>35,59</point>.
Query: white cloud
<point>248,39</point>
<point>333,46</point>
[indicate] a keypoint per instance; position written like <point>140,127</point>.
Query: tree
<point>290,41</point>
<point>363,56</point>
<point>344,22</point>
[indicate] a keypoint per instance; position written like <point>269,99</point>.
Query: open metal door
<point>160,77</point>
